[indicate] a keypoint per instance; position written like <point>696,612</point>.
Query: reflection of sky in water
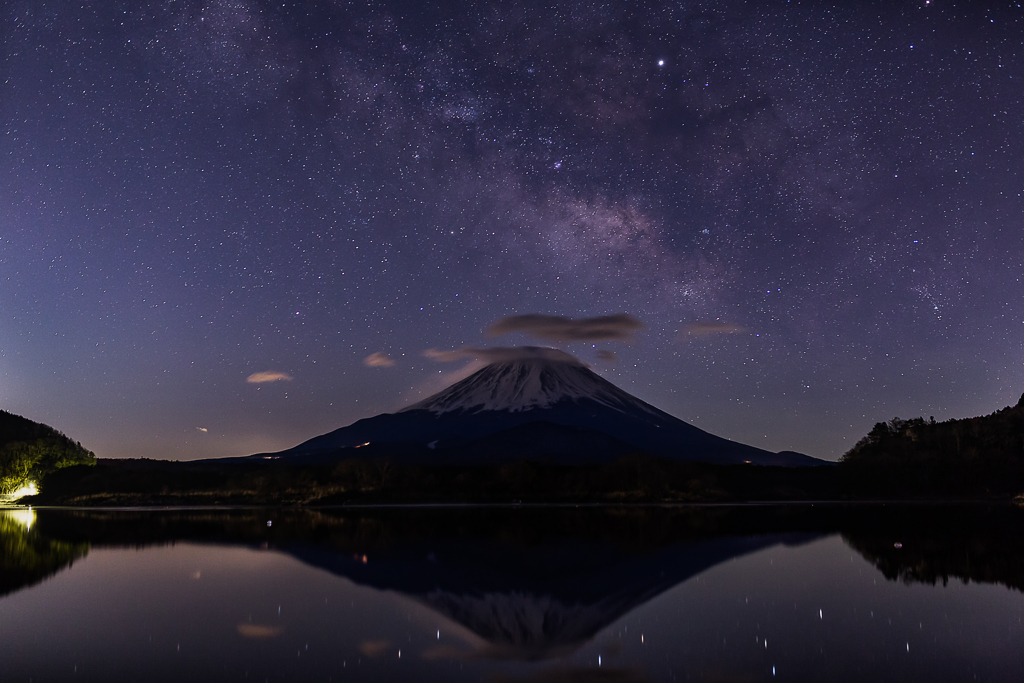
<point>816,611</point>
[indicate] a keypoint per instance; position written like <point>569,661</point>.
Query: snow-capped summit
<point>536,404</point>
<point>539,378</point>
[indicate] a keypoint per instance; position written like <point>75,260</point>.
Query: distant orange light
<point>362,444</point>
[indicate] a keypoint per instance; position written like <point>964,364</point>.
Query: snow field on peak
<point>525,385</point>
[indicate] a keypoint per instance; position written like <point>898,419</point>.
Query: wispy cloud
<point>619,327</point>
<point>607,356</point>
<point>378,360</point>
<point>444,356</point>
<point>705,327</point>
<point>268,376</point>
<point>435,383</point>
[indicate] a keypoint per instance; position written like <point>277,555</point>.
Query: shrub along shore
<point>632,479</point>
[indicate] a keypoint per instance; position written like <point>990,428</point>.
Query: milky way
<point>815,211</point>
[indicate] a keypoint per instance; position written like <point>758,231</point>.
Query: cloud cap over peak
<point>618,327</point>
<point>505,354</point>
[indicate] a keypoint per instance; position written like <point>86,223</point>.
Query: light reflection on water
<point>26,517</point>
<point>540,595</point>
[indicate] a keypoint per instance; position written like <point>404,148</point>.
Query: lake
<point>701,593</point>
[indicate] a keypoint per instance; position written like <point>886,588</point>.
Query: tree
<point>30,450</point>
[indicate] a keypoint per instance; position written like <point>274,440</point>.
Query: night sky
<point>815,210</point>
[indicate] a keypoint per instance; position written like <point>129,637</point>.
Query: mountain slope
<point>492,416</point>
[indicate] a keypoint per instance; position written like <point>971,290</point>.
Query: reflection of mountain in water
<point>529,582</point>
<point>536,582</point>
<point>539,600</point>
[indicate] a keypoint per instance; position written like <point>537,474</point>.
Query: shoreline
<point>907,502</point>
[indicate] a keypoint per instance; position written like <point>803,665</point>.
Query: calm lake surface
<point>744,593</point>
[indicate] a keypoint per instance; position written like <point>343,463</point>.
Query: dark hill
<point>30,450</point>
<point>17,428</point>
<point>970,456</point>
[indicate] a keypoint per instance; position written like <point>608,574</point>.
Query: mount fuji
<point>537,404</point>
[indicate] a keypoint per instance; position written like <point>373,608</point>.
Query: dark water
<point>902,593</point>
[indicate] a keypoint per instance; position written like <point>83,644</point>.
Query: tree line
<point>968,455</point>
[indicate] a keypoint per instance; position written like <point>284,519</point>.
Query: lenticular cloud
<point>504,354</point>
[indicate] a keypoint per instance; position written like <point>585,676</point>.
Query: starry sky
<point>227,226</point>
